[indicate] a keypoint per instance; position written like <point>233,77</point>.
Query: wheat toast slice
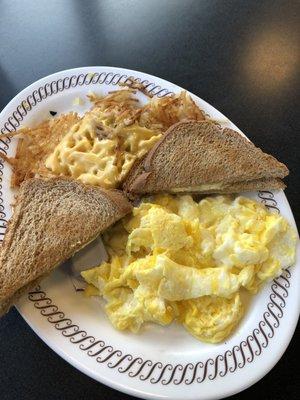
<point>52,219</point>
<point>200,157</point>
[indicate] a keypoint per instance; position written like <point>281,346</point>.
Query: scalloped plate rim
<point>129,388</point>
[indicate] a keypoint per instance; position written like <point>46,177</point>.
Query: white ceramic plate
<point>162,362</point>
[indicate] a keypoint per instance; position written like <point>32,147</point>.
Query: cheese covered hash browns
<point>119,109</point>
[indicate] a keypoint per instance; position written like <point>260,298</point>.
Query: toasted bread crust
<point>117,198</point>
<point>134,173</point>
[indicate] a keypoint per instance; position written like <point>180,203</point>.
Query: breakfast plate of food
<point>145,239</point>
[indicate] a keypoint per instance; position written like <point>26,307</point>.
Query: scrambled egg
<point>176,259</point>
<point>97,152</point>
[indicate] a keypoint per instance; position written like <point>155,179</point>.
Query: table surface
<point>240,56</point>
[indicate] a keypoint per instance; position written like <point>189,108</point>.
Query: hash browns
<point>120,107</point>
<point>36,144</point>
<point>158,114</point>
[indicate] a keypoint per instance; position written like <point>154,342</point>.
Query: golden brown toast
<point>199,157</point>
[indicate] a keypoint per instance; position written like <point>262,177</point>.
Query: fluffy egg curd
<point>175,259</point>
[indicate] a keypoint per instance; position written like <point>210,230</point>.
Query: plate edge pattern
<point>157,372</point>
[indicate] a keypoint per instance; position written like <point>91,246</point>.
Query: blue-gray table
<point>241,56</point>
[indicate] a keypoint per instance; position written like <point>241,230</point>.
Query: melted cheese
<point>198,188</point>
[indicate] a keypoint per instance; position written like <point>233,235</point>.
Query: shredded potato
<point>131,127</point>
<point>165,111</point>
<point>136,85</point>
<point>119,107</point>
<point>158,113</point>
<point>36,144</point>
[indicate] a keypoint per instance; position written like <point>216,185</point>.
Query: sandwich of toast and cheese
<point>199,157</point>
